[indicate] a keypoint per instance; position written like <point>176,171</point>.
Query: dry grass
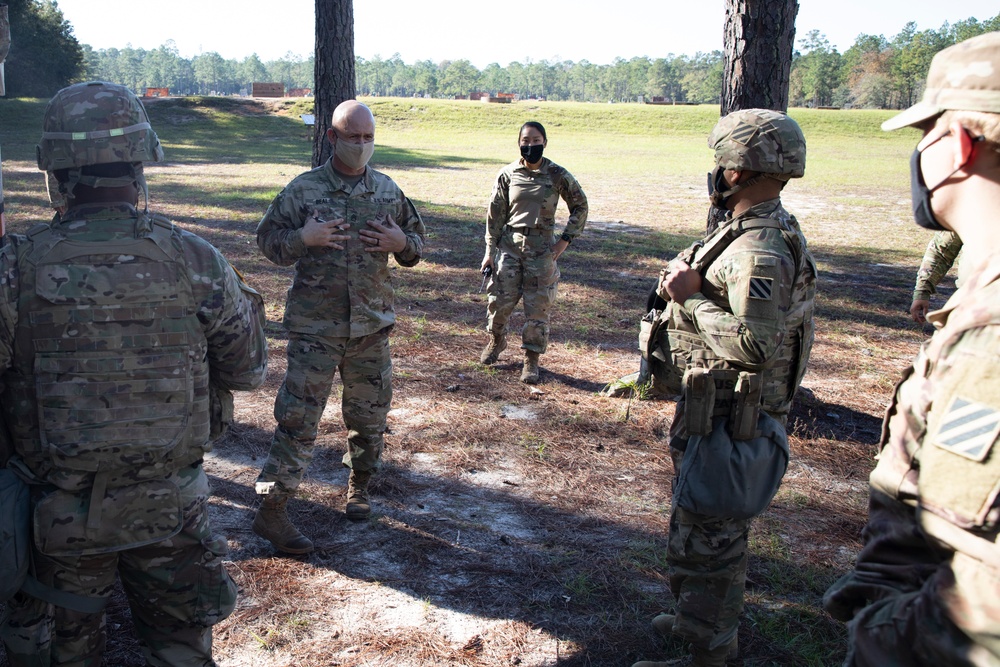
<point>515,526</point>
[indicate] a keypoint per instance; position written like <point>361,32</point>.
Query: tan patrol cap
<point>963,77</point>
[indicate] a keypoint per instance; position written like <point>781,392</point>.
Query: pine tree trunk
<point>333,76</point>
<point>760,36</point>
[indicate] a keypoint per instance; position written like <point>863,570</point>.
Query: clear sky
<point>482,32</point>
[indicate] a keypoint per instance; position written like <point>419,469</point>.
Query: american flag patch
<point>760,288</point>
<point>969,429</point>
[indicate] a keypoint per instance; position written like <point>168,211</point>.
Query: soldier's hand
<point>318,232</point>
<point>918,310</point>
<point>384,236</point>
<point>487,263</point>
<point>681,281</point>
<point>559,248</point>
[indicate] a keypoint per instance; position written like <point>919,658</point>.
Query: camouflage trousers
<point>707,566</point>
<point>177,589</point>
<point>524,267</point>
<point>366,371</point>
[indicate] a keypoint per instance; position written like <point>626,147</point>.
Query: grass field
<point>515,526</point>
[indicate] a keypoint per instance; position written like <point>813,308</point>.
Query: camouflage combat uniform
<point>925,589</point>
<point>520,223</point>
<point>930,567</point>
<point>754,313</point>
<point>338,312</point>
<point>942,251</point>
<point>117,331</point>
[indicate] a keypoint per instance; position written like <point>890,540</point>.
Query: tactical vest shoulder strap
<point>162,234</point>
<point>160,230</point>
<point>716,244</point>
<point>704,252</point>
<point>43,239</point>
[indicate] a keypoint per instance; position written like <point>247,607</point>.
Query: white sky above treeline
<point>483,33</point>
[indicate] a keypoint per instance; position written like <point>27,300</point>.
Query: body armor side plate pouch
<point>130,516</point>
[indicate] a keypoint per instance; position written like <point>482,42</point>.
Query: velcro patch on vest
<point>761,288</point>
<point>968,429</point>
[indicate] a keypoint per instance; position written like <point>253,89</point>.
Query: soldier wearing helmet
<point>733,340</point>
<point>121,336</point>
<point>925,589</point>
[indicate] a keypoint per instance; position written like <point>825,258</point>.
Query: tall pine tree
<point>44,54</point>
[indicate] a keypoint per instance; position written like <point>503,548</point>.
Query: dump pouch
<point>727,478</point>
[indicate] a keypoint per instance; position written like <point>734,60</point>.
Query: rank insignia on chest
<point>968,429</point>
<point>760,288</point>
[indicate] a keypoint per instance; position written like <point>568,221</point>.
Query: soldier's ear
<point>966,145</point>
<point>734,176</point>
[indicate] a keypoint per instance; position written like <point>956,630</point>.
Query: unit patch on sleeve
<point>968,429</point>
<point>760,288</point>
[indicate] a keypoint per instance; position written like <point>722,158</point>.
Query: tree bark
<point>333,75</point>
<point>759,39</point>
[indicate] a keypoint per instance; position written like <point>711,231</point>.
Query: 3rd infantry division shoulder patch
<point>968,429</point>
<point>760,288</point>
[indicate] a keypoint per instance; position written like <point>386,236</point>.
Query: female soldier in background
<point>520,224</point>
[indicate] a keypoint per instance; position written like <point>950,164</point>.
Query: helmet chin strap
<point>749,183</point>
<point>744,185</point>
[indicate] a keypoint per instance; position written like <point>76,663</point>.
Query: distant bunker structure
<point>499,98</point>
<point>267,89</point>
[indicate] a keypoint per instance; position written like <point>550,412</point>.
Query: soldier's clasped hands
<point>317,232</point>
<point>383,236</point>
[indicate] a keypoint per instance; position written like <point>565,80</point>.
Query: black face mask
<point>717,186</point>
<point>920,195</point>
<point>532,154</point>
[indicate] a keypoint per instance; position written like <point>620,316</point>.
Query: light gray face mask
<point>355,156</point>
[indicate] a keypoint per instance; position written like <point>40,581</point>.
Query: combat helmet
<point>96,123</point>
<point>760,140</point>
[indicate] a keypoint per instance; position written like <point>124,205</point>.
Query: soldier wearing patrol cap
<point>733,340</point>
<point>121,336</point>
<point>925,589</point>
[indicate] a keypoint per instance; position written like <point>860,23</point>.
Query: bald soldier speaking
<point>337,224</point>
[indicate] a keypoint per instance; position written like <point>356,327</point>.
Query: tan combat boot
<point>497,344</point>
<point>719,657</point>
<point>271,523</point>
<point>530,373</point>
<point>358,505</point>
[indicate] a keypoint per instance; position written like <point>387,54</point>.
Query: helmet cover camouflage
<point>760,140</point>
<point>95,123</point>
